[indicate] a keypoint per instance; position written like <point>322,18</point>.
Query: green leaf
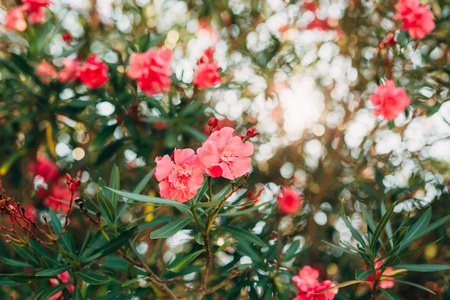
<point>114,182</point>
<point>106,207</point>
<point>178,265</point>
<point>54,271</point>
<point>155,222</point>
<point>290,253</point>
<point>116,243</point>
<point>420,248</point>
<point>134,280</point>
<point>27,255</point>
<point>15,263</point>
<point>381,225</point>
<point>155,200</point>
<point>354,232</point>
<point>207,204</point>
<point>199,238</point>
<point>26,279</point>
<point>388,224</point>
<point>425,231</point>
<point>419,225</point>
<point>389,294</point>
<point>224,245</point>
<point>413,284</point>
<point>170,229</point>
<point>55,222</point>
<point>424,268</point>
<point>144,181</point>
<point>76,295</point>
<point>194,133</point>
<point>54,290</point>
<point>94,279</point>
<point>362,274</point>
<point>243,234</point>
<point>201,192</point>
<point>220,195</point>
<point>342,249</point>
<point>241,212</point>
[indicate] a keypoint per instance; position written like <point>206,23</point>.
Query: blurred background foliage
<point>300,71</point>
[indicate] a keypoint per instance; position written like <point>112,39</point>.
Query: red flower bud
<point>67,37</point>
<point>68,177</point>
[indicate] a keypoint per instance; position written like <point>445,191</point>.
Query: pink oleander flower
<point>44,167</point>
<point>34,9</point>
<point>225,155</point>
<point>64,278</point>
<point>289,201</point>
<point>71,70</point>
<point>207,75</point>
<point>93,73</point>
<point>46,72</point>
<point>179,176</point>
<point>15,19</point>
<point>416,18</point>
<point>309,287</point>
<point>151,70</point>
<point>386,283</point>
<point>389,100</point>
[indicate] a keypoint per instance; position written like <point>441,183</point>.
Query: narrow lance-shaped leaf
<point>381,225</point>
<point>114,182</point>
<point>106,207</point>
<point>94,279</point>
<point>178,265</point>
<point>424,267</point>
<point>247,235</point>
<point>170,229</point>
<point>354,232</point>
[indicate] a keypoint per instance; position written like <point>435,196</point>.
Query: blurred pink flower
<point>207,75</point>
<point>64,278</point>
<point>179,176</point>
<point>93,73</point>
<point>151,70</point>
<point>15,19</point>
<point>30,212</point>
<point>35,11</point>
<point>225,155</point>
<point>389,101</point>
<point>44,167</point>
<point>416,18</point>
<point>59,191</point>
<point>386,283</point>
<point>309,287</point>
<point>71,70</point>
<point>46,72</point>
<point>289,201</point>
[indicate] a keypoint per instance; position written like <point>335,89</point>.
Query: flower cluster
<point>207,73</point>
<point>15,18</point>
<point>309,287</point>
<point>416,18</point>
<point>289,201</point>
<point>223,154</point>
<point>93,73</point>
<point>51,183</point>
<point>389,100</point>
<point>151,70</point>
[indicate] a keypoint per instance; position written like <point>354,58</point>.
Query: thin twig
<point>223,283</point>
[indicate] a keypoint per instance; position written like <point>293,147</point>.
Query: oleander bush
<point>224,149</point>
